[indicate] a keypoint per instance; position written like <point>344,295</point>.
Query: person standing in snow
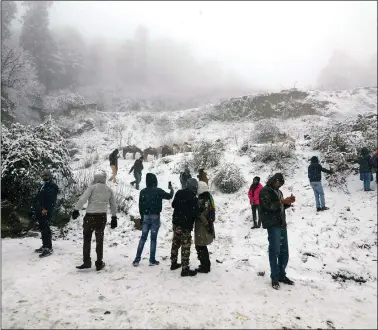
<point>366,175</point>
<point>273,217</point>
<point>137,168</point>
<point>185,176</point>
<point>98,195</point>
<point>204,227</point>
<point>374,164</point>
<point>43,211</point>
<point>186,211</point>
<point>315,176</point>
<point>150,206</point>
<point>253,195</point>
<point>113,159</point>
<point>202,176</point>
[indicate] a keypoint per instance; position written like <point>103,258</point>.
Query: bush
<point>229,179</point>
<point>124,199</point>
<point>271,153</point>
<point>207,154</point>
<point>265,131</point>
<point>63,103</point>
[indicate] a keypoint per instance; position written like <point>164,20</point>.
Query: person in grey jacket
<point>98,195</point>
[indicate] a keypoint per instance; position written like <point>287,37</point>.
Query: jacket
<point>113,158</point>
<point>365,163</point>
<point>254,198</point>
<point>186,209</point>
<point>46,198</point>
<point>137,167</point>
<point>184,176</point>
<point>202,235</point>
<point>151,197</point>
<point>202,176</point>
<point>98,195</point>
<point>315,170</point>
<point>272,212</point>
<point>374,161</point>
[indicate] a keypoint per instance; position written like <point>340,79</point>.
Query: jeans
<point>366,177</point>
<point>278,252</point>
<point>319,194</point>
<point>138,178</point>
<point>256,209</point>
<point>150,222</point>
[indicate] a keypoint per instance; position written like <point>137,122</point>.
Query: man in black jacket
<point>186,210</point>
<point>137,168</point>
<point>185,176</point>
<point>150,206</point>
<point>315,176</point>
<point>43,212</point>
<point>113,159</point>
<point>273,219</point>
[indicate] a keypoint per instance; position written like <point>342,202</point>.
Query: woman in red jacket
<point>253,195</point>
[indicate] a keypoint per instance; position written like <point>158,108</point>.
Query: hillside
<point>330,252</point>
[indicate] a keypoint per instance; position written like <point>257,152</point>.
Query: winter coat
<point>98,195</point>
<point>272,212</point>
<point>46,198</point>
<point>151,197</point>
<point>315,170</point>
<point>254,197</point>
<point>374,161</point>
<point>202,234</point>
<point>365,163</point>
<point>113,158</point>
<point>137,167</point>
<point>186,209</point>
<point>184,176</point>
<point>202,176</point>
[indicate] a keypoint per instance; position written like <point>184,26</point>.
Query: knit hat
<point>47,173</point>
<point>202,187</point>
<point>192,185</point>
<point>278,177</point>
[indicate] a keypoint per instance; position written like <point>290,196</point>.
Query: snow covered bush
<point>229,178</point>
<point>273,153</point>
<point>63,102</point>
<point>123,197</point>
<point>163,124</point>
<point>265,131</point>
<point>207,154</point>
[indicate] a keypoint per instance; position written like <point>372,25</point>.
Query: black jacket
<point>113,158</point>
<point>186,209</point>
<point>184,176</point>
<point>315,170</point>
<point>272,214</point>
<point>365,162</point>
<point>151,197</point>
<point>46,198</point>
<point>137,167</point>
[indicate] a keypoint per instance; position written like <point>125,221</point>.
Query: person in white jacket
<point>98,195</point>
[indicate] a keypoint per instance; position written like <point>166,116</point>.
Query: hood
<point>151,180</point>
<point>202,187</point>
<point>192,185</point>
<point>257,179</point>
<point>314,159</point>
<point>115,152</point>
<point>99,178</point>
<point>278,177</point>
<point>364,151</point>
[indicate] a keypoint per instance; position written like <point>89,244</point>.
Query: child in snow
<point>253,195</point>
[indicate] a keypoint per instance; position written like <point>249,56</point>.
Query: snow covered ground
<point>52,293</point>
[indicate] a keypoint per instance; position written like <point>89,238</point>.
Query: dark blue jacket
<point>315,170</point>
<point>46,198</point>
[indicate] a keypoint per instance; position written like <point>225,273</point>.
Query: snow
<point>52,293</point>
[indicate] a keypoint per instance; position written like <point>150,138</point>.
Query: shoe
<point>154,263</point>
<point>275,285</point>
<point>188,272</point>
<point>202,269</point>
<point>40,250</point>
<point>135,263</point>
<point>286,281</point>
<point>85,266</point>
<point>100,265</point>
<point>325,208</point>
<point>46,252</point>
<point>175,266</point>
<point>319,209</point>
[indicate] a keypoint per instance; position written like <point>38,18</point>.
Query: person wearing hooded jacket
<point>113,159</point>
<point>253,195</point>
<point>43,211</point>
<point>204,227</point>
<point>150,206</point>
<point>366,166</point>
<point>185,212</point>
<point>315,176</point>
<point>98,195</point>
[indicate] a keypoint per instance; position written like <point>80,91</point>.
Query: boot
<point>275,285</point>
<point>100,265</point>
<point>175,266</point>
<point>319,209</point>
<point>85,265</point>
<point>202,269</point>
<point>254,225</point>
<point>46,252</point>
<point>188,272</point>
<point>40,250</point>
<point>325,208</point>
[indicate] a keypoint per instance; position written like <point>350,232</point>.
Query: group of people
<point>193,208</point>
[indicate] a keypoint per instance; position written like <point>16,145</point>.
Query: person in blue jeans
<point>150,206</point>
<point>315,176</point>
<point>273,218</point>
<point>366,166</point>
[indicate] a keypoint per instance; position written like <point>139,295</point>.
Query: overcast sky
<point>273,43</point>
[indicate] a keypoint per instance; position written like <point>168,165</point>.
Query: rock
<point>107,313</point>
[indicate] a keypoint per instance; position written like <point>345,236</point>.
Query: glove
<point>113,223</point>
<point>75,214</point>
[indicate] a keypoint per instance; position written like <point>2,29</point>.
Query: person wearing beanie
<point>150,206</point>
<point>315,176</point>
<point>253,195</point>
<point>98,195</point>
<point>43,211</point>
<point>113,159</point>
<point>204,227</point>
<point>273,218</point>
<point>185,212</point>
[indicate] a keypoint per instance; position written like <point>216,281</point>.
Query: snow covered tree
<point>8,13</point>
<point>229,178</point>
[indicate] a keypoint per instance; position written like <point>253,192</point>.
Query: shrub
<point>124,199</point>
<point>207,154</point>
<point>265,131</point>
<point>273,152</point>
<point>163,124</point>
<point>229,179</point>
